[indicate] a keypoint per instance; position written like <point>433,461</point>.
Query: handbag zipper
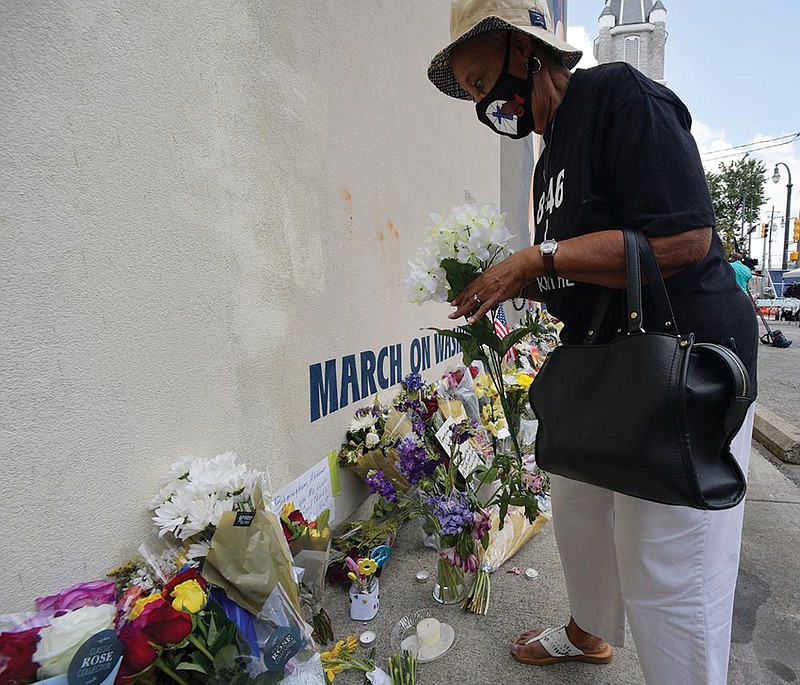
<point>736,361</point>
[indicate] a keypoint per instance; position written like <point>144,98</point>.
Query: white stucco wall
<point>198,200</point>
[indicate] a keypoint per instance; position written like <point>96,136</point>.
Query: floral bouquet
<point>42,644</point>
<point>458,248</point>
<point>181,635</point>
<point>370,441</point>
<point>195,495</point>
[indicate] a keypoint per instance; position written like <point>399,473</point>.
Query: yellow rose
<point>141,603</point>
<point>524,380</point>
<point>287,509</point>
<point>189,596</point>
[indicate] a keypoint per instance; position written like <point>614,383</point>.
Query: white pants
<point>671,570</point>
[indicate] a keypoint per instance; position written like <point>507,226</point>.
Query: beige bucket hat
<point>468,18</point>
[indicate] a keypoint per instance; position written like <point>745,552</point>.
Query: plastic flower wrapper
<point>197,492</point>
<point>309,543</point>
<point>249,557</point>
<point>286,645</point>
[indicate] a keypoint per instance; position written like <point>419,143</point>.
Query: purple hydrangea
<point>413,382</point>
<point>452,512</point>
<point>414,463</point>
<point>377,482</point>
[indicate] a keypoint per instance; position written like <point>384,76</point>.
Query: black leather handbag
<point>649,414</point>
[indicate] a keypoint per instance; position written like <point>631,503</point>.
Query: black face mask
<point>506,109</point>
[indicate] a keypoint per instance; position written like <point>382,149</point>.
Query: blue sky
<point>735,65</point>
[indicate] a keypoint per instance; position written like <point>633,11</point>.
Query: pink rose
<point>90,594</point>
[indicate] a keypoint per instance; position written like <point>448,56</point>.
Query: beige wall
<point>198,200</point>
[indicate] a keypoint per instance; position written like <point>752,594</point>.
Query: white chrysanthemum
<point>362,422</point>
<point>197,551</point>
<point>170,516</point>
<point>179,470</point>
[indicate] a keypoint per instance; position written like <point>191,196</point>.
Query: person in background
<point>619,154</point>
<point>742,271</point>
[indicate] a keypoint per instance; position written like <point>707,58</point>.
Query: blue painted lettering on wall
<point>334,384</point>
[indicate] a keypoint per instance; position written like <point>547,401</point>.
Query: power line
<point>758,142</point>
<point>795,136</point>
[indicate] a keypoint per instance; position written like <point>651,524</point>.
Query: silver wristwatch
<point>548,250</point>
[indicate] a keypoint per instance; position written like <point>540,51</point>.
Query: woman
<point>619,154</point>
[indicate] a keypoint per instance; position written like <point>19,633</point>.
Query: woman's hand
<point>499,283</point>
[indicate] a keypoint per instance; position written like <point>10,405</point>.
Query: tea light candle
<point>422,576</point>
<point>428,632</point>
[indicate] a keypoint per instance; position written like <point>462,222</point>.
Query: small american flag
<point>501,328</point>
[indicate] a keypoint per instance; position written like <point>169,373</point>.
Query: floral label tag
<point>96,661</point>
<point>244,518</point>
<point>281,646</point>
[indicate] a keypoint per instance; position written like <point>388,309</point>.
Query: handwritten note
<point>311,492</point>
<point>468,456</point>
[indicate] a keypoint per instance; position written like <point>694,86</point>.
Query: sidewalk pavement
<point>765,648</point>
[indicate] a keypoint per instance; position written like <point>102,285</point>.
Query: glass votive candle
<point>428,632</point>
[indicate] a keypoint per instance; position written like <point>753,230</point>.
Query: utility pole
<point>768,242</point>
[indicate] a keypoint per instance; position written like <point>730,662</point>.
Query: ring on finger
<point>477,299</point>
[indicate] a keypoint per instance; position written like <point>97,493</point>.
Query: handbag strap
<point>638,254</point>
<point>656,282</point>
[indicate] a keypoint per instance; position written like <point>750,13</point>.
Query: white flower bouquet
<point>198,491</point>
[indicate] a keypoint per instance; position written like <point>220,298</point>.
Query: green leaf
<point>458,335</point>
<point>459,276</point>
<point>226,657</point>
<point>485,335</point>
<point>189,666</point>
<point>512,339</point>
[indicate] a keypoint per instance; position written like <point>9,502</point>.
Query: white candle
<point>428,632</point>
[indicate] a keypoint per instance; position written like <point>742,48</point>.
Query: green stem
<point>201,647</point>
<point>166,669</point>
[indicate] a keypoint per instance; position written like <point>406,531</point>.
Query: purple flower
<point>463,431</point>
<point>534,482</point>
<point>452,512</point>
<point>413,382</point>
<point>377,482</point>
<point>89,594</point>
<point>481,523</point>
<point>419,428</point>
<point>414,464</point>
<point>411,406</point>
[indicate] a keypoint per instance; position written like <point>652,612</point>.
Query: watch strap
<point>549,264</point>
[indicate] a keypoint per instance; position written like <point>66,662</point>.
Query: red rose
<point>16,656</point>
<point>297,517</point>
<point>188,574</point>
<point>164,625</point>
<point>138,654</point>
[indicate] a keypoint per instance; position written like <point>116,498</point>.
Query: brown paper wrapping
<point>504,544</point>
<point>248,562</point>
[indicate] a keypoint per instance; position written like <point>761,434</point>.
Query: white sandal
<point>560,648</point>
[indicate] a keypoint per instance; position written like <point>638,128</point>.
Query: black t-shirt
<point>620,154</point>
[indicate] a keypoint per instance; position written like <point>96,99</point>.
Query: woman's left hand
<point>498,284</point>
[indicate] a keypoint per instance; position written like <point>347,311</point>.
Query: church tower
<point>633,31</point>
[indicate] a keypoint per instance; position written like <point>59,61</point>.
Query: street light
<point>777,177</point>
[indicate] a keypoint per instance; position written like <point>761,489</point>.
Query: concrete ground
<point>766,632</point>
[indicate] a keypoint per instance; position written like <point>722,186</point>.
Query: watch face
<point>548,246</point>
